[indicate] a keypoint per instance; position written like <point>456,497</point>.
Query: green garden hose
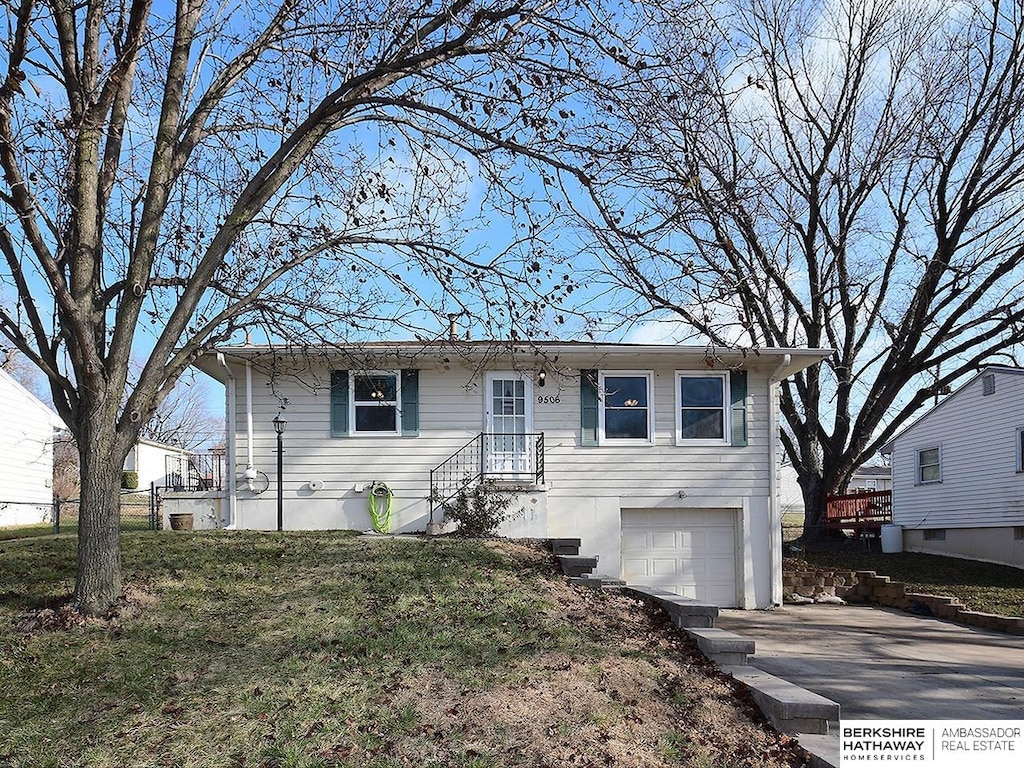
<point>381,496</point>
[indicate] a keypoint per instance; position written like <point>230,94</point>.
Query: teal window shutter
<point>410,403</point>
<point>339,403</point>
<point>588,407</point>
<point>738,404</point>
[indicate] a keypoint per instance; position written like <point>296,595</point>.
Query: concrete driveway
<point>879,663</point>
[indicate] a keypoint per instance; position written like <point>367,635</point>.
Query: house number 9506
<point>548,399</point>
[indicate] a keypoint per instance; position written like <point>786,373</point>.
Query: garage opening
<point>691,552</point>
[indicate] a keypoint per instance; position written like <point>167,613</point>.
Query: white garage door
<point>691,552</point>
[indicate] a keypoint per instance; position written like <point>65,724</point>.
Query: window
<point>375,398</point>
<point>626,412</point>
<point>701,407</point>
<point>1020,449</point>
<point>929,465</point>
<point>935,534</point>
<point>1018,533</point>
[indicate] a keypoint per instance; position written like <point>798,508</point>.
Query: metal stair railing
<point>509,456</point>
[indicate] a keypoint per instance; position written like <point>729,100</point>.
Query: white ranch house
<point>27,429</point>
<point>149,458</point>
<point>958,472</point>
<point>663,460</point>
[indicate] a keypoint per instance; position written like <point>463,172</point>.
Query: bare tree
<point>184,417</point>
<point>296,167</point>
<point>845,174</point>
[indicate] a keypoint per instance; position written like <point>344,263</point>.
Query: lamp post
<point>279,425</point>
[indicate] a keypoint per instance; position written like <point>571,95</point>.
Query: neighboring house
<point>157,463</point>
<point>27,429</point>
<point>958,472</point>
<point>661,459</point>
<point>870,478</point>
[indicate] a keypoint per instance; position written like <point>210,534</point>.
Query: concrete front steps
<point>788,707</point>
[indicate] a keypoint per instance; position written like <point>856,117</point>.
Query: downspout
<point>774,510</point>
<point>249,466</point>
<point>230,457</point>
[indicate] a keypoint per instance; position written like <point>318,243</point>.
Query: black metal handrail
<point>497,455</point>
<point>195,472</point>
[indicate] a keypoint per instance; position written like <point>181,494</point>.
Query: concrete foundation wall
<point>206,508</point>
<point>993,545</point>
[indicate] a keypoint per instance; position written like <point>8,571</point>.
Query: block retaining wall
<point>869,587</point>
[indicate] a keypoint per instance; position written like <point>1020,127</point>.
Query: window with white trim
<point>627,410</point>
<point>929,465</point>
<point>702,412</point>
<point>1020,449</point>
<point>375,399</point>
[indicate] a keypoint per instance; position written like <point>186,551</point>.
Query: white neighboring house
<point>958,472</point>
<point>27,428</point>
<point>661,459</point>
<point>149,459</point>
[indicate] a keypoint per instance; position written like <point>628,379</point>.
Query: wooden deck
<point>863,513</point>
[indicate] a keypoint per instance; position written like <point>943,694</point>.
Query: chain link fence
<point>140,511</point>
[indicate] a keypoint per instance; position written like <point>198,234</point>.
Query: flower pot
<point>181,521</point>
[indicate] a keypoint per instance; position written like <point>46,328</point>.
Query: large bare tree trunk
<point>815,493</point>
<point>98,580</point>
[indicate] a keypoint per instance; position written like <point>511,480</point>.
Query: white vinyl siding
<point>452,413</point>
<point>980,443</point>
<point>26,461</point>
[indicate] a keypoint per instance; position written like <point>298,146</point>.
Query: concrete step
<point>599,581</point>
<point>684,612</point>
<point>788,707</point>
<point>722,647</point>
<point>576,565</point>
<point>565,546</point>
<point>823,748</point>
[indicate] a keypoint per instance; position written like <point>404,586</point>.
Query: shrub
<point>130,480</point>
<point>479,510</point>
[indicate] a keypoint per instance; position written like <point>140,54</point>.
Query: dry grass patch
<point>320,649</point>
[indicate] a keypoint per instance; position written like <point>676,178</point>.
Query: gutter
<point>774,510</point>
<point>230,458</point>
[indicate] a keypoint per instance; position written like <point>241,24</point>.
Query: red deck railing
<point>861,512</point>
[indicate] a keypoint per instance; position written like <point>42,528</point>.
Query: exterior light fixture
<point>542,378</point>
<point>279,425</point>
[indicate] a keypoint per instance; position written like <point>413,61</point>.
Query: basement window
<point>935,534</point>
<point>1018,533</point>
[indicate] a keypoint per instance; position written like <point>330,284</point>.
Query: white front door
<point>508,424</point>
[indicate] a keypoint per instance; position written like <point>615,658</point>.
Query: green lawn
<point>980,586</point>
<point>326,649</point>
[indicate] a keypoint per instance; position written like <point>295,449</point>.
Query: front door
<point>508,422</point>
